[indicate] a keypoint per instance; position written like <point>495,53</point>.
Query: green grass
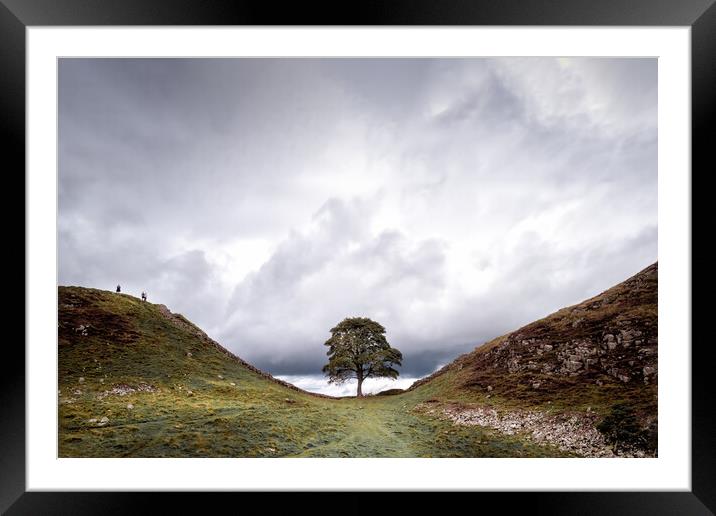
<point>254,420</point>
<point>130,344</point>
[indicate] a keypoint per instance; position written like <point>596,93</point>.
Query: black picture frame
<point>17,15</point>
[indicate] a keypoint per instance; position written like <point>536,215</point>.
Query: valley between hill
<point>136,380</point>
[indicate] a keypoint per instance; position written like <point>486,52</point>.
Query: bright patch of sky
<point>317,383</point>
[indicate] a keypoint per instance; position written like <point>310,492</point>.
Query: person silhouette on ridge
<point>119,289</point>
<point>144,296</point>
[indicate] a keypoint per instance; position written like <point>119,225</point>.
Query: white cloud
<point>319,384</point>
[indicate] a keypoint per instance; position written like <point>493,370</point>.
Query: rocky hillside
<point>595,357</point>
<point>610,337</point>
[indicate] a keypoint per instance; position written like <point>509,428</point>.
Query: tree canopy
<point>358,349</point>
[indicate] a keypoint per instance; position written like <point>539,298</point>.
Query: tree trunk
<point>360,390</point>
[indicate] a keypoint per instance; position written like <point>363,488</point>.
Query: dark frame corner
<point>700,15</point>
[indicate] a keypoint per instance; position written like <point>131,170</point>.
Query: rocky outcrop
<point>626,354</point>
<point>612,337</point>
<point>572,432</point>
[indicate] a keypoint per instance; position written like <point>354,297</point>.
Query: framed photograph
<point>409,249</point>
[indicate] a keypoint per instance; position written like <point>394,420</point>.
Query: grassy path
<point>373,430</point>
<point>164,425</point>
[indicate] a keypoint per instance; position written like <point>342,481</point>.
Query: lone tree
<point>358,349</point>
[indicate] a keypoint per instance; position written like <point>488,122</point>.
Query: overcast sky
<point>452,200</point>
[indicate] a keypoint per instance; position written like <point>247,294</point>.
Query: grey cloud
<point>453,200</point>
<point>157,135</point>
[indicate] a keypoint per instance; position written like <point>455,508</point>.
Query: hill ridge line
<point>183,323</point>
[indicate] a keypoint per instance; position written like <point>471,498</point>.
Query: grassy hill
<point>136,380</point>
